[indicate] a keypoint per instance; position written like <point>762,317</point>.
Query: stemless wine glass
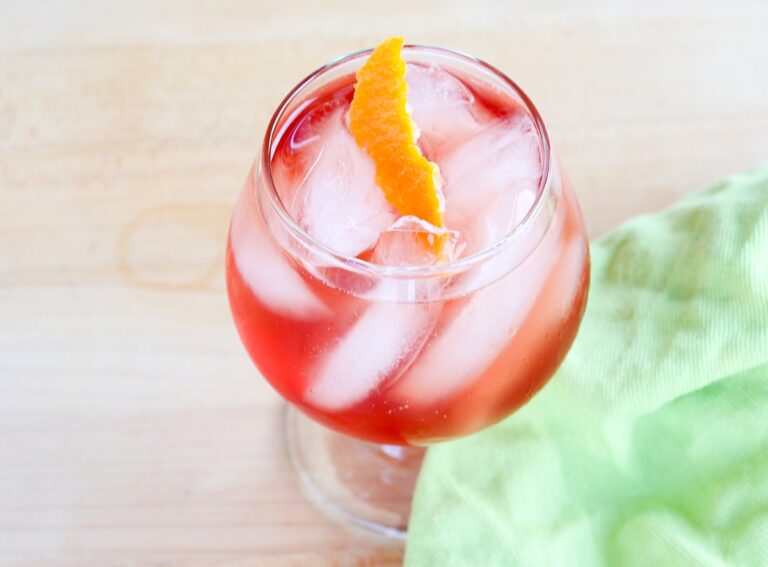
<point>378,361</point>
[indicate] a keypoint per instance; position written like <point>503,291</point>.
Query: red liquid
<point>470,360</point>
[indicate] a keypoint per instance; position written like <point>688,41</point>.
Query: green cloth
<point>649,447</point>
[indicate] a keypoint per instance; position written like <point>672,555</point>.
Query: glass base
<point>359,484</point>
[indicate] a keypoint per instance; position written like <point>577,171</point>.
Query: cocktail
<point>397,310</point>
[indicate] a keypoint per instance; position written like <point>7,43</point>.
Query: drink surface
<point>486,146</point>
<point>381,361</point>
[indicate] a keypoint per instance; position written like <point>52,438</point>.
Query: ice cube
<point>380,345</point>
<point>412,241</point>
<point>490,181</point>
<point>264,268</point>
<point>442,108</point>
<point>503,213</point>
<point>480,331</point>
<point>338,202</point>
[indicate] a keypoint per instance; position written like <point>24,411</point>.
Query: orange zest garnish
<point>383,128</point>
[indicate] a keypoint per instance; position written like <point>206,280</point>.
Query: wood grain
<point>133,429</point>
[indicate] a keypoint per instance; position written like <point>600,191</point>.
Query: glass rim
<point>413,272</point>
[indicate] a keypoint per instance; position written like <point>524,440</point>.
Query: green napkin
<point>649,447</point>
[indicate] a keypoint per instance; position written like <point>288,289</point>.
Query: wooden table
<point>133,428</point>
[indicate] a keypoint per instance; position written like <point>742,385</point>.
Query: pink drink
<point>345,311</point>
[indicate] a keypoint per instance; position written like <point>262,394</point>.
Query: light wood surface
<point>133,429</point>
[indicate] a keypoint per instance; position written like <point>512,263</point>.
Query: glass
<point>388,359</point>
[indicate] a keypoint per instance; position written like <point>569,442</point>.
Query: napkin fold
<point>650,444</point>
